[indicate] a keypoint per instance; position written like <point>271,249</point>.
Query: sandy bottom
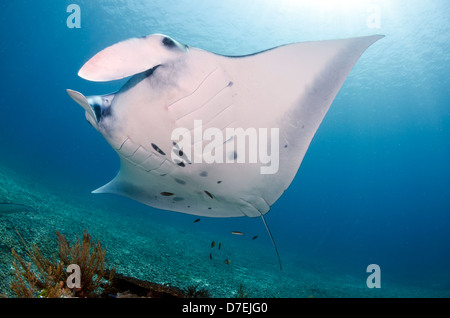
<point>153,248</point>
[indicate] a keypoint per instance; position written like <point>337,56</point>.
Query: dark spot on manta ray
<point>230,84</point>
<point>180,181</point>
<point>209,194</point>
<point>158,149</point>
<point>219,181</point>
<point>209,208</point>
<point>181,164</point>
<point>178,199</point>
<point>181,153</point>
<point>203,174</point>
<point>303,126</point>
<point>163,175</point>
<point>233,155</point>
<point>285,146</point>
<point>167,194</point>
<point>168,42</point>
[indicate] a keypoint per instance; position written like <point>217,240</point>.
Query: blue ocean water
<point>374,186</point>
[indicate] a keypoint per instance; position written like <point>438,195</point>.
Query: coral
<point>240,293</point>
<point>28,283</point>
<point>50,278</point>
<point>90,256</point>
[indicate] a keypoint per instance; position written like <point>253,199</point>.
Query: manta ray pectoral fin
<point>292,87</point>
<point>119,185</point>
<point>107,188</point>
<point>131,57</point>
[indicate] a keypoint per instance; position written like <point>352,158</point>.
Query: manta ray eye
<point>106,102</point>
<point>168,42</point>
<point>172,44</point>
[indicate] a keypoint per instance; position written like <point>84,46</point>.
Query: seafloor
<point>162,252</point>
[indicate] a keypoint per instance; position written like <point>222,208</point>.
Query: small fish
<point>210,256</point>
<point>227,261</point>
<point>237,233</point>
<point>255,237</point>
<point>197,220</point>
<point>220,244</point>
<point>213,244</point>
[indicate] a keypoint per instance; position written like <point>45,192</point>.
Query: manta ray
<point>209,134</point>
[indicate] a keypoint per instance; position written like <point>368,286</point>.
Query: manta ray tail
<point>273,241</point>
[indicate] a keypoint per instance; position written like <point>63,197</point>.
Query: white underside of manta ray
<point>287,89</point>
